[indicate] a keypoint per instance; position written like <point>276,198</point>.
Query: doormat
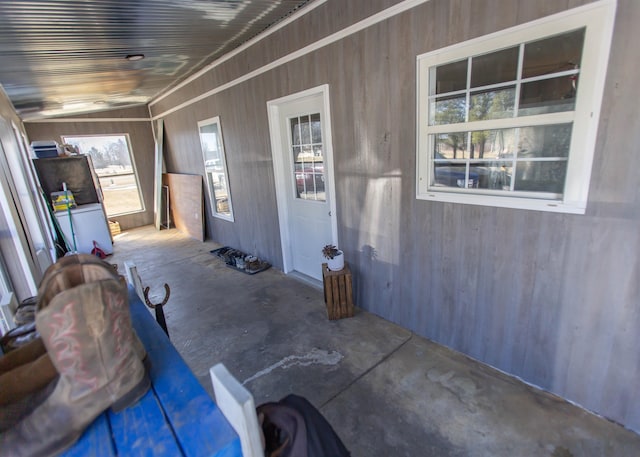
<point>241,261</point>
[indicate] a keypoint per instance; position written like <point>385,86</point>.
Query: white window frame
<point>99,178</point>
<point>598,19</point>
<point>223,155</point>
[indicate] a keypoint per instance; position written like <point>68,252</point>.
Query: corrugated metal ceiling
<point>68,56</point>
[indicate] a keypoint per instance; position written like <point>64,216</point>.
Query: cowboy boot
<point>25,379</point>
<point>70,271</point>
<point>24,354</point>
<point>88,335</point>
<point>35,348</point>
<point>24,373</point>
<point>28,369</point>
<point>24,388</point>
<point>77,259</point>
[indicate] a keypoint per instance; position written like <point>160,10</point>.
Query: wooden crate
<point>114,228</point>
<point>338,294</point>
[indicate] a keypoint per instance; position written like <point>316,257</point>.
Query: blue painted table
<point>176,417</point>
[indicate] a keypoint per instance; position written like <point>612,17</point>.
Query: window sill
<point>223,217</point>
<point>505,202</point>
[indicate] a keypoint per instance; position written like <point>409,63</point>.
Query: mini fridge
<point>89,225</point>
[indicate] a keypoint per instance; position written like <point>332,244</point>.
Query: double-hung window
<point>215,167</point>
<point>510,119</point>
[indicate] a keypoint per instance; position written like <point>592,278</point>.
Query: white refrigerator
<point>89,225</point>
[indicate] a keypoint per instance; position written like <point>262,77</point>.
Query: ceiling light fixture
<point>134,57</point>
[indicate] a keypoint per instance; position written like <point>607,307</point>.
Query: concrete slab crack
<point>381,361</point>
<point>314,357</point>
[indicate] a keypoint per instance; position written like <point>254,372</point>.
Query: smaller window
<point>215,168</point>
<point>114,165</point>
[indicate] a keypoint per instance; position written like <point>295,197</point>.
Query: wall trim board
<point>326,41</point>
<point>158,136</point>
<point>294,17</point>
<point>87,119</point>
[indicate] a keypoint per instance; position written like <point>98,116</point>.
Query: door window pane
<point>215,166</point>
<point>295,131</point>
<point>308,160</point>
<point>316,131</point>
<point>114,166</point>
<point>305,127</point>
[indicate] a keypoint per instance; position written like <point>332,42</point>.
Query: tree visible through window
<point>112,161</point>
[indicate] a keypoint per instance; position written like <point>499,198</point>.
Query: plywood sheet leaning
<point>186,203</point>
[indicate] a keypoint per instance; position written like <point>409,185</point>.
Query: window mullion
<point>468,93</point>
<point>514,161</point>
<point>565,117</point>
<point>435,96</point>
<point>467,159</point>
<point>516,106</point>
<point>544,77</point>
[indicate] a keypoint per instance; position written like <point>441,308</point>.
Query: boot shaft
<point>87,332</point>
<point>71,271</point>
<point>74,270</point>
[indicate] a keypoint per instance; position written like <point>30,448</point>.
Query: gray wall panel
<point>551,298</point>
<point>248,155</point>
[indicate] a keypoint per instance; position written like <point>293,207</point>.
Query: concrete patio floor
<point>385,390</point>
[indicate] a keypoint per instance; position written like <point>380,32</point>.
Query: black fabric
<point>293,427</point>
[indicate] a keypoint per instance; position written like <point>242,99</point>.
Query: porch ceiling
<point>63,57</point>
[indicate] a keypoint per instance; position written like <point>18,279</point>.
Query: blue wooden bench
<point>176,417</point>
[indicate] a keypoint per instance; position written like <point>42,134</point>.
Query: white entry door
<point>301,141</point>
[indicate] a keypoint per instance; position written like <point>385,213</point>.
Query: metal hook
<point>158,308</point>
<point>167,293</point>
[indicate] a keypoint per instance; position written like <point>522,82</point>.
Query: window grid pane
<point>486,159</point>
<point>307,155</point>
<point>550,67</point>
<point>534,78</point>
